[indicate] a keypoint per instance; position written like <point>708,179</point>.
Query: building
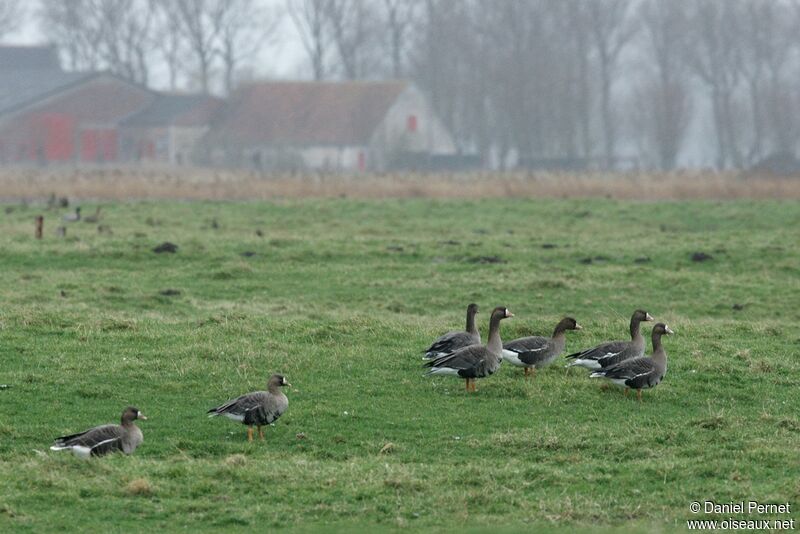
<point>339,126</point>
<point>168,130</point>
<point>51,116</point>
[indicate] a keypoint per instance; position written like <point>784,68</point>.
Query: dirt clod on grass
<point>139,487</point>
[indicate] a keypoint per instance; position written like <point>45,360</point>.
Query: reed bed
<point>211,184</point>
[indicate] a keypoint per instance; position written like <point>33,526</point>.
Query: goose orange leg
<point>260,433</point>
<point>639,395</point>
<point>626,391</point>
<point>249,433</point>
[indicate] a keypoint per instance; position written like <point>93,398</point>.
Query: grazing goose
<point>535,352</point>
<point>643,372</point>
<point>474,361</point>
<point>614,352</point>
<point>453,341</point>
<point>258,408</point>
<point>73,217</point>
<point>104,439</point>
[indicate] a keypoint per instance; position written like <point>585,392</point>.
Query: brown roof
<point>306,113</point>
<point>176,110</point>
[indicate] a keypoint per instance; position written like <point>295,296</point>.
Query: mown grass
<point>341,296</point>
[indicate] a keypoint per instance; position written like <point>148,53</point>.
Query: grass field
<point>341,296</point>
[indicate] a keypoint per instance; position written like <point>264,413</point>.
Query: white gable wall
<point>393,134</point>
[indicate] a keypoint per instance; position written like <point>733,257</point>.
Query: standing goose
<point>93,218</point>
<point>104,439</point>
<point>258,408</point>
<point>452,341</point>
<point>474,361</point>
<point>535,352</point>
<point>643,372</point>
<point>614,352</point>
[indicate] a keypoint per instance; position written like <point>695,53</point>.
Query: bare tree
<point>70,25</point>
<point>123,27</point>
<point>714,52</point>
<point>577,24</point>
<point>11,14</point>
<point>352,24</point>
<point>199,23</point>
<point>242,28</point>
<point>767,50</point>
<point>664,98</point>
<point>611,30</point>
<point>399,18</point>
<point>170,42</point>
<point>440,58</point>
<point>310,19</point>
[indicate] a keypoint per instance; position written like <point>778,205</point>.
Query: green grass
<point>341,296</point>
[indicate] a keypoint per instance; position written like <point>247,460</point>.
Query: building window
<point>411,123</point>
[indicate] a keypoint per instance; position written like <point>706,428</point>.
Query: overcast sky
<point>285,59</point>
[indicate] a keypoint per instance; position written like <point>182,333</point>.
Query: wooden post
<point>39,226</point>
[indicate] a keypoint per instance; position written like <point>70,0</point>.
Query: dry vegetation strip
<point>209,184</point>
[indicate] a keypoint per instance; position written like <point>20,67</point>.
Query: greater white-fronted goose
<point>93,218</point>
<point>613,352</point>
<point>535,352</point>
<point>104,439</point>
<point>73,217</point>
<point>474,361</point>
<point>452,341</point>
<point>643,372</point>
<point>258,408</point>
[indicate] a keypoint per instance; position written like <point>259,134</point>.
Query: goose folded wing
<point>92,437</point>
<point>465,358</point>
<point>529,350</point>
<point>601,352</point>
<point>239,405</point>
<point>107,446</point>
<point>629,369</point>
<point>450,342</point>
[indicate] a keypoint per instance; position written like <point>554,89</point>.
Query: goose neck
<point>471,328</point>
<point>495,344</point>
<point>635,328</point>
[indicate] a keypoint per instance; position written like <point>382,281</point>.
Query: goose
<point>104,439</point>
<point>453,341</point>
<point>93,218</point>
<point>613,352</point>
<point>258,408</point>
<point>474,361</point>
<point>642,372</point>
<point>73,217</point>
<point>535,352</point>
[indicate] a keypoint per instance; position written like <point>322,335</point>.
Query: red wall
<point>80,124</point>
<point>98,145</point>
<point>55,139</point>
